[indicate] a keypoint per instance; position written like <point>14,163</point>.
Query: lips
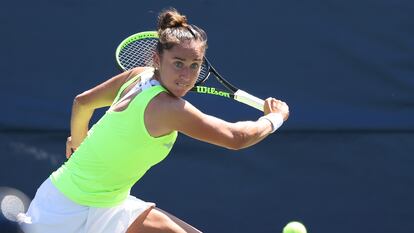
<point>182,84</point>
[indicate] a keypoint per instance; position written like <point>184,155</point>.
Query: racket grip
<point>248,99</point>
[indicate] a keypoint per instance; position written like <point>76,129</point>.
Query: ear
<point>156,60</point>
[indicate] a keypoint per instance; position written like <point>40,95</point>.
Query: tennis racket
<point>137,51</point>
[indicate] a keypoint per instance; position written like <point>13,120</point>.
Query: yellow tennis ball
<point>294,227</point>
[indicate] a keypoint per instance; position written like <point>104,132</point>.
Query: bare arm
<point>85,104</point>
<point>166,113</point>
<point>216,131</point>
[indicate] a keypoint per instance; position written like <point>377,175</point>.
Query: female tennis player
<point>90,192</point>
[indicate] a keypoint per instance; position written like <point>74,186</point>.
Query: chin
<point>181,94</point>
<point>177,93</point>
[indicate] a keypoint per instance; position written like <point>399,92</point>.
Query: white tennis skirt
<point>52,212</point>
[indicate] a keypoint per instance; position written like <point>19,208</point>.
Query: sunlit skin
<point>179,66</point>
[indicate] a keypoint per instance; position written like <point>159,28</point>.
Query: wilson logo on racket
<point>212,91</point>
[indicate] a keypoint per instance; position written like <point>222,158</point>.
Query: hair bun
<point>170,19</point>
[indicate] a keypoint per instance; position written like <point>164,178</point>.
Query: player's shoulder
<point>172,112</point>
<point>166,100</point>
<point>170,104</point>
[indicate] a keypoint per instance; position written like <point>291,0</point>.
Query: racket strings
<point>138,53</point>
<point>204,72</point>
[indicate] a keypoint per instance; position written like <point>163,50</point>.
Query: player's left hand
<point>70,148</point>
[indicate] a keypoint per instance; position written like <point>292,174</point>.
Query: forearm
<point>248,133</point>
<point>79,123</point>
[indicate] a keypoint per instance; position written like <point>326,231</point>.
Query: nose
<point>185,73</point>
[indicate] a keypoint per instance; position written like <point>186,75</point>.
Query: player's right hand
<point>277,106</point>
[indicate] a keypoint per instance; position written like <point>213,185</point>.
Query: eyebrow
<point>182,59</point>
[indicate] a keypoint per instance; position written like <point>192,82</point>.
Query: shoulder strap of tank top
<point>146,81</point>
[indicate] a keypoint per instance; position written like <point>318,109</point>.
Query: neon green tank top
<point>117,152</point>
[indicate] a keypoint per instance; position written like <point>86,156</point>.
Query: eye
<point>194,66</point>
<point>178,64</point>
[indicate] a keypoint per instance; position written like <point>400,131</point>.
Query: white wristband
<point>275,119</point>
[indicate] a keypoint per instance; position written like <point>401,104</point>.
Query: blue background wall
<point>342,163</point>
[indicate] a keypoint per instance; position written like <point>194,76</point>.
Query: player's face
<point>179,66</point>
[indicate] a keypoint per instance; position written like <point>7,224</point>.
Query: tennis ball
<point>294,227</point>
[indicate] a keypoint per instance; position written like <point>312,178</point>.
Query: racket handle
<point>248,99</point>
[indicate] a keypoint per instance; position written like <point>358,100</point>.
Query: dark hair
<point>173,29</point>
